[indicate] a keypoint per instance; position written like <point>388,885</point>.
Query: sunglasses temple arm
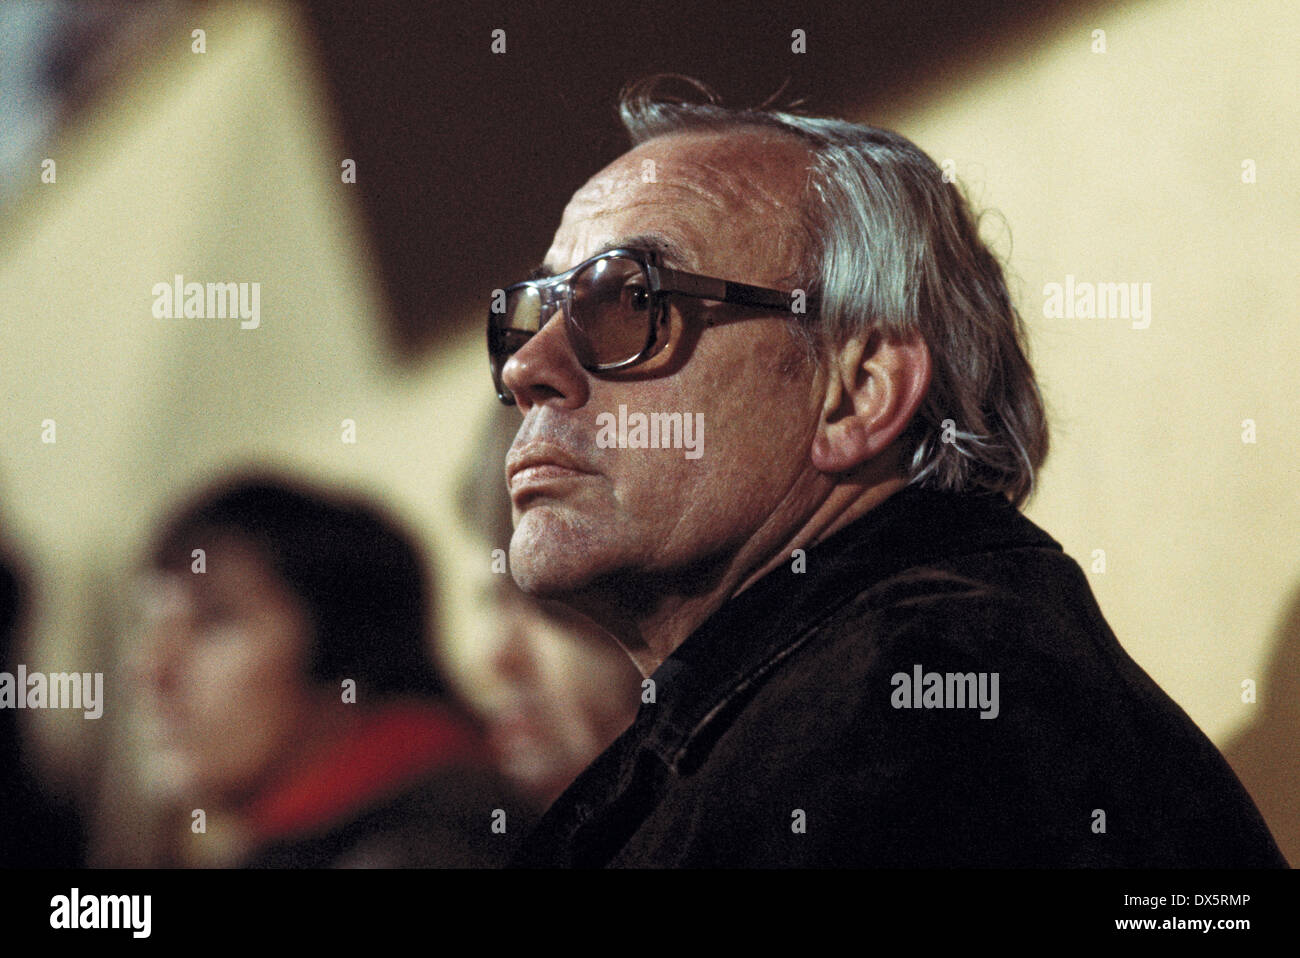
<point>705,287</point>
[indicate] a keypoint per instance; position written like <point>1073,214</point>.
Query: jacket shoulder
<point>973,712</point>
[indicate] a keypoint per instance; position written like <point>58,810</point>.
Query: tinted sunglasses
<point>615,309</point>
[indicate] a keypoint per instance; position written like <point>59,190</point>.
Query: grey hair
<point>890,247</point>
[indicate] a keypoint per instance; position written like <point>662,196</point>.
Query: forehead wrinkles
<point>722,188</point>
<point>724,183</point>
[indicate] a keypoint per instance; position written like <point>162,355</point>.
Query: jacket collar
<point>756,630</point>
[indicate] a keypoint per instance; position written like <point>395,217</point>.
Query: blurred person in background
<point>285,666</point>
<point>559,688</point>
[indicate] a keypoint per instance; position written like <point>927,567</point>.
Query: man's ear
<point>874,388</point>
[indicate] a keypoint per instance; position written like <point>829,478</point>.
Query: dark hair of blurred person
<point>37,829</point>
<point>298,598</point>
<point>559,688</point>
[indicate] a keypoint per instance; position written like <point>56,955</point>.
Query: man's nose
<point>510,658</point>
<point>158,662</point>
<point>545,369</point>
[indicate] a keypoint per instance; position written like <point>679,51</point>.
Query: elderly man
<point>777,422</point>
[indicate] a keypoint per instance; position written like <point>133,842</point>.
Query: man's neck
<point>651,633</point>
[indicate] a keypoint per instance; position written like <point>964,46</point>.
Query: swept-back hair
<point>892,247</point>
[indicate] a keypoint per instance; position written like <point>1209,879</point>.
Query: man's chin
<point>550,581</point>
<point>570,577</point>
<point>554,552</point>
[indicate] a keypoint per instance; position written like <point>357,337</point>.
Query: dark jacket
<point>783,732</point>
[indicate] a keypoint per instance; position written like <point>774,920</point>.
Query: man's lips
<point>539,463</point>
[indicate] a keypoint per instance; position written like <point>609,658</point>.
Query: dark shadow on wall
<point>465,157</point>
<point>1266,755</point>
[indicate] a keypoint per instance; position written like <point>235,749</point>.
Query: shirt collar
<point>756,630</point>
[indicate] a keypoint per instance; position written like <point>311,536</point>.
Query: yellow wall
<point>1127,166</point>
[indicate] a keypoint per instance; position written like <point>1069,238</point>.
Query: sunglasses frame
<point>661,282</point>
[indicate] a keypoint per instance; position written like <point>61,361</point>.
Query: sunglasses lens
<point>511,323</point>
<point>610,321</point>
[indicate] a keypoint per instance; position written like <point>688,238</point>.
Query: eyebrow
<point>671,253</point>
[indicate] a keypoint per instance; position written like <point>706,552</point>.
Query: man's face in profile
<point>729,204</point>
